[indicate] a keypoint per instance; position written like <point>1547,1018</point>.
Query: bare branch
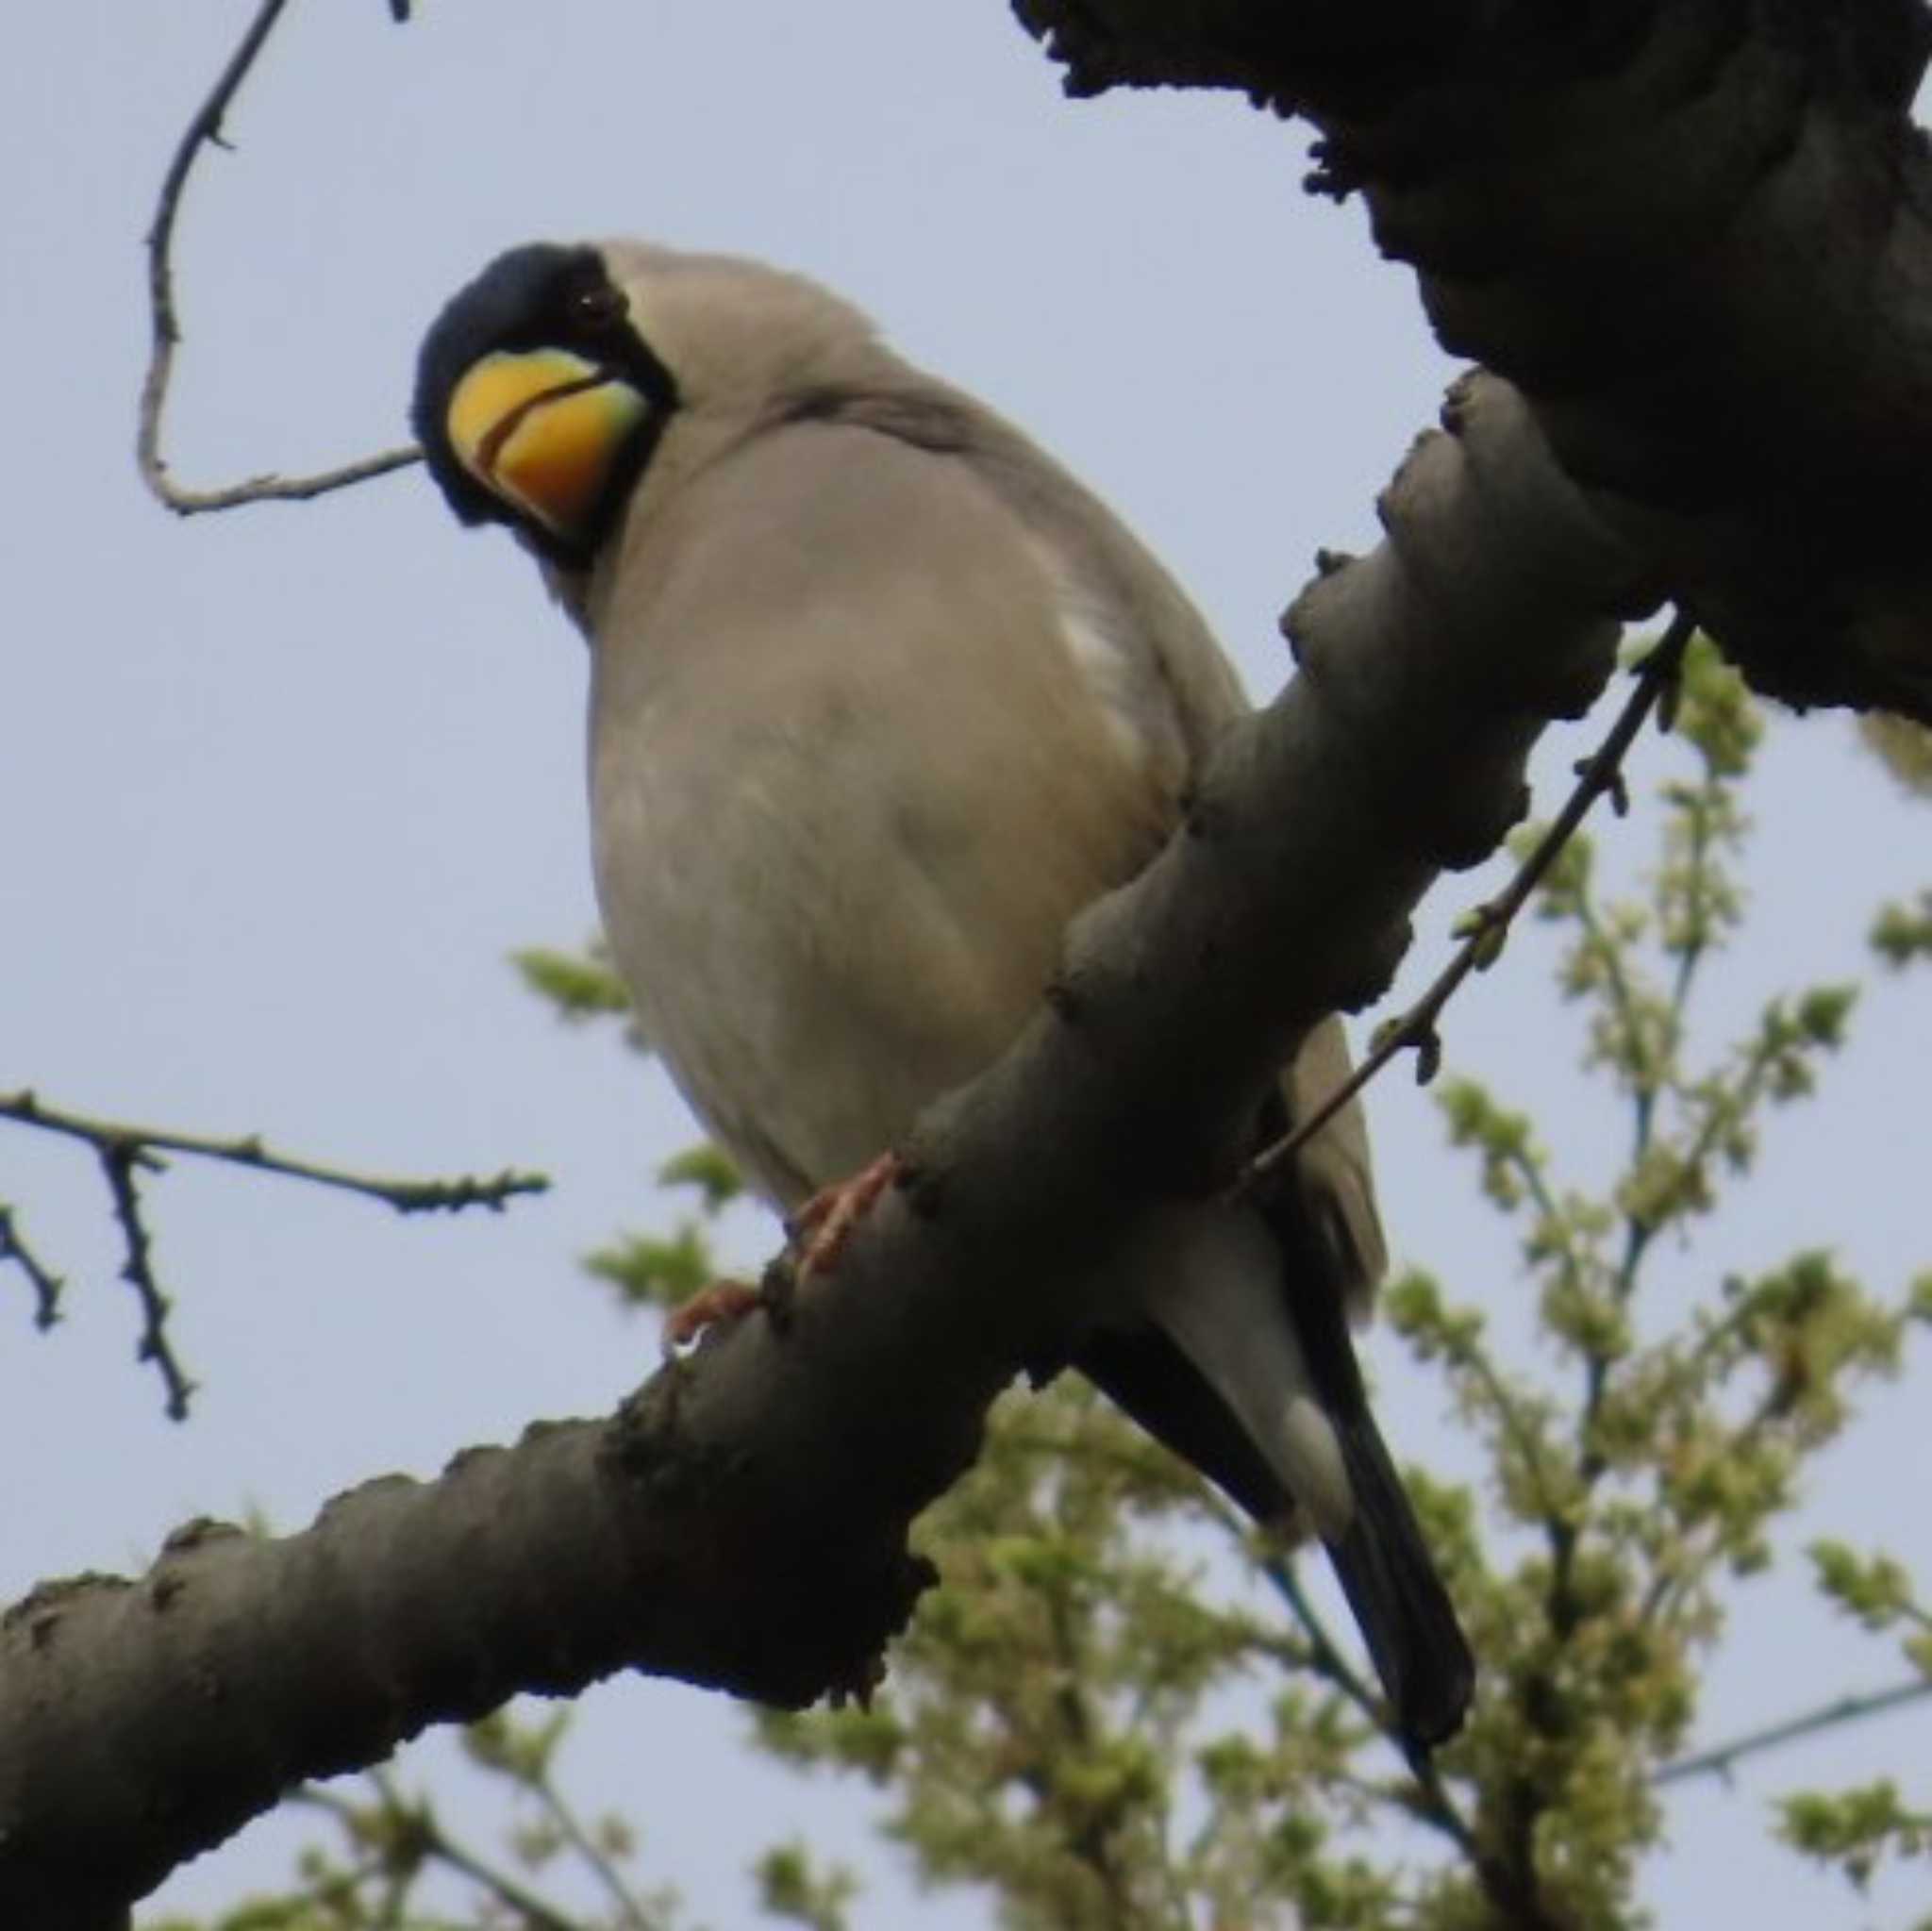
<point>125,1151</point>
<point>1322,1655</point>
<point>248,1150</point>
<point>46,1284</point>
<point>570,1827</point>
<point>1487,926</point>
<point>205,130</point>
<point>119,1163</point>
<point>1724,1759</point>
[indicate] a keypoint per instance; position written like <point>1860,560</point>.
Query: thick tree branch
<point>1698,236</point>
<point>743,1523</point>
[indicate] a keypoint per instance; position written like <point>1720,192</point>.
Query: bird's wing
<point>1165,679</point>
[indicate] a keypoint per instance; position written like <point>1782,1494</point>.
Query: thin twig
<point>1320,1655</point>
<point>1432,1804</point>
<point>572,1832</point>
<point>1639,1231</point>
<point>44,1282</point>
<point>1501,1398</point>
<point>205,130</point>
<point>125,1151</point>
<point>119,1162</point>
<point>405,1196</point>
<point>1722,1759</point>
<point>1329,1663</point>
<point>431,1838</point>
<point>1488,925</point>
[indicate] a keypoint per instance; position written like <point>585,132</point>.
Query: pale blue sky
<point>281,789</point>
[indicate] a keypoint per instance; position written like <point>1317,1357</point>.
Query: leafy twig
<point>205,130</point>
<point>1723,1757</point>
<point>397,1818</point>
<point>565,1821</point>
<point>1488,925</point>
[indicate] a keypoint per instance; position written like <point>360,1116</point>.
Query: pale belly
<point>818,954</point>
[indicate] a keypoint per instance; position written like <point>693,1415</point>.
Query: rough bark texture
<point>139,1722</point>
<point>1698,236</point>
<point>742,1522</point>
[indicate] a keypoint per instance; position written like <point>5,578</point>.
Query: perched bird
<point>880,697</point>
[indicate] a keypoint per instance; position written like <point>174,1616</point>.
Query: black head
<point>549,327</point>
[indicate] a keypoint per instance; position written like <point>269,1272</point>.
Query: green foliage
<point>579,985</point>
<point>1904,748</point>
<point>663,1271</point>
<point>709,1169</point>
<point>1855,1828</point>
<point>1880,1593</point>
<point>1902,933</point>
<point>792,1888</point>
<point>1121,1709</point>
<point>656,1271</point>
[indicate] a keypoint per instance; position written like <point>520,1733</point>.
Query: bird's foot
<point>724,1304</point>
<point>820,1229</point>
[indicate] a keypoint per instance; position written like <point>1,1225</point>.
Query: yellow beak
<point>542,428</point>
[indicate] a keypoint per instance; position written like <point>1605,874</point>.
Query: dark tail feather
<point>1390,1578</point>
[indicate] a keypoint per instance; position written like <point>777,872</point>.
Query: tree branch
<point>46,1285</point>
<point>1724,1759</point>
<point>205,130</point>
<point>570,1829</point>
<point>426,1838</point>
<point>1488,926</point>
<point>248,1150</point>
<point>741,1523</point>
<point>125,1151</point>
<point>119,1164</point>
<point>1699,236</point>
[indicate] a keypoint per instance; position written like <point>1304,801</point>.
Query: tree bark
<point>742,1520</point>
<point>1695,235</point>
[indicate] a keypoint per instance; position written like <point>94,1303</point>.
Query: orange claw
<point>822,1227</point>
<point>722,1305</point>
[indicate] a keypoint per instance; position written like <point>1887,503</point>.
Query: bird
<point>880,697</point>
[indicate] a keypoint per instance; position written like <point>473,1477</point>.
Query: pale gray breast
<point>850,781</point>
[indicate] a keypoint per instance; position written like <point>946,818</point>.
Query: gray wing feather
<point>1185,692</point>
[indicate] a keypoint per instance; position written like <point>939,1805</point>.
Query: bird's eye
<point>598,307</point>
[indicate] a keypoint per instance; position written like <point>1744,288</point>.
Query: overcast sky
<point>281,790</point>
